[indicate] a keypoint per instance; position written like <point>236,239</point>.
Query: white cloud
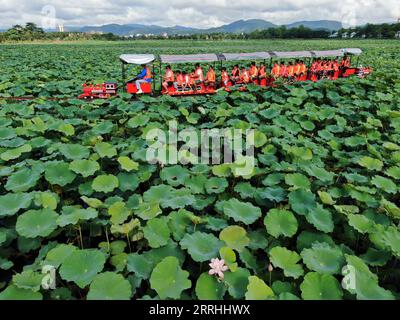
<point>198,13</point>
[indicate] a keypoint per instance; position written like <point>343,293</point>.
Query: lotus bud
<point>270,268</point>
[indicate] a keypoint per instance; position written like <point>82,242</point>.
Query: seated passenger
<point>192,81</point>
<point>186,81</point>
<point>224,77</point>
<point>290,71</point>
<point>253,72</point>
<point>244,76</point>
<point>283,71</point>
<point>199,75</point>
<point>261,72</point>
<point>178,84</point>
<point>276,70</point>
<point>144,76</point>
<point>169,78</point>
<point>235,74</point>
<point>210,78</point>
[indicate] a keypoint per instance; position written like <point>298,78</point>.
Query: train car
<point>99,91</point>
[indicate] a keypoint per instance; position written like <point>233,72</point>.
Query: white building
<point>397,36</point>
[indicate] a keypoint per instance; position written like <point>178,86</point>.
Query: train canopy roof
<point>137,58</point>
<point>212,57</point>
<point>189,58</point>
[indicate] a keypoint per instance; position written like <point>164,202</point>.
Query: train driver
<point>144,76</point>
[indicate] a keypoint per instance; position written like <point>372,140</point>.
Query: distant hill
<point>241,26</point>
<point>318,25</point>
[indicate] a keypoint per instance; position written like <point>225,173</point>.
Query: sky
<point>197,13</point>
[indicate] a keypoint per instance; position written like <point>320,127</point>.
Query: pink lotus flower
<point>218,267</point>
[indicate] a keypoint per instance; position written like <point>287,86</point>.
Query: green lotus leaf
<point>245,189</point>
<point>196,184</point>
<point>385,184</point>
<point>57,255</point>
<point>258,290</point>
<point>58,173</point>
<point>13,154</point>
<point>109,286</point>
<point>229,257</point>
<point>361,223</point>
<point>156,232</point>
<point>201,246</point>
<point>319,173</point>
<point>105,150</point>
<point>371,163</point>
<point>321,219</point>
<point>126,228</point>
<point>158,193</point>
<point>326,198</point>
<point>280,222</point>
<point>85,168</point>
<point>168,279</point>
<point>237,282</point>
<point>175,175</point>
<point>119,212</point>
<point>128,164</point>
<point>235,237</point>
<point>74,151</point>
<point>276,194</point>
<point>72,215</point>
<point>28,279</point>
<point>347,209</point>
<point>323,258</point>
<point>92,202</point>
<point>105,183</point>
<point>393,172</point>
<point>222,170</point>
<point>140,265</point>
<point>103,127</point>
<point>7,133</point>
<point>36,223</point>
<point>12,292</point>
<point>391,238</point>
<point>178,222</point>
<point>297,180</point>
<point>66,129</point>
<point>81,266</point>
<point>137,121</point>
<point>302,201</point>
<point>46,200</point>
<point>260,139</point>
<point>179,199</point>
<point>359,280</point>
<point>148,210</point>
<point>22,180</point>
<point>209,288</point>
<point>317,286</point>
<point>241,211</point>
<point>286,260</point>
<point>301,153</point>
<point>216,185</point>
<point>11,203</point>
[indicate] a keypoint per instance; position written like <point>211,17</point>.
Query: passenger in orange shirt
<point>169,78</point>
<point>261,72</point>
<point>210,78</point>
<point>253,72</point>
<point>224,77</point>
<point>283,72</point>
<point>192,82</point>
<point>186,81</point>
<point>297,68</point>
<point>235,74</point>
<point>199,75</point>
<point>244,76</point>
<point>290,71</point>
<point>276,70</point>
<point>178,84</point>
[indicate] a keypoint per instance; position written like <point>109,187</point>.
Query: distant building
<point>397,36</point>
<point>60,28</point>
<point>165,35</point>
<point>345,35</point>
<point>334,35</point>
<point>353,34</point>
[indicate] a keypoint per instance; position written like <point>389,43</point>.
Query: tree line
<point>31,32</point>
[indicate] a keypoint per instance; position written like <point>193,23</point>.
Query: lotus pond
<point>83,215</point>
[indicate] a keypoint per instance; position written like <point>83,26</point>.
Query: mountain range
<point>241,26</point>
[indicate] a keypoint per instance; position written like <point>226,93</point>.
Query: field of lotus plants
<point>85,215</point>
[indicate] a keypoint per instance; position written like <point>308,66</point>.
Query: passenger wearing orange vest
<point>186,81</point>
<point>210,78</point>
<point>169,78</point>
<point>199,75</point>
<point>303,69</point>
<point>283,72</point>
<point>145,76</point>
<point>178,84</point>
<point>297,68</point>
<point>276,70</point>
<point>253,72</point>
<point>261,72</point>
<point>192,80</point>
<point>235,74</point>
<point>224,77</point>
<point>244,76</point>
<point>290,71</point>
